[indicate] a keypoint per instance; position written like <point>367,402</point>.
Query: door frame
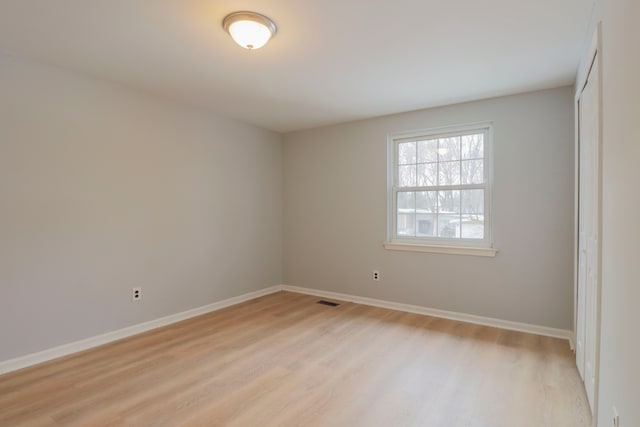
<point>593,53</point>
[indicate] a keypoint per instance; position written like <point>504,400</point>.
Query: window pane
<point>428,151</point>
<point>449,149</point>
<point>427,201</point>
<point>407,200</point>
<point>407,176</point>
<point>473,146</point>
<point>473,202</point>
<point>472,171</point>
<point>449,226</point>
<point>426,225</point>
<point>449,201</point>
<point>449,173</point>
<point>406,153</point>
<point>428,174</point>
<point>405,219</point>
<point>472,226</point>
<point>472,214</point>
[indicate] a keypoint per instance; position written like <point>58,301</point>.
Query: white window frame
<point>479,247</point>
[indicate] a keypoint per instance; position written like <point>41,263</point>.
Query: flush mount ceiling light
<point>249,29</point>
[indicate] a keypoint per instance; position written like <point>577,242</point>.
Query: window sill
<point>452,250</point>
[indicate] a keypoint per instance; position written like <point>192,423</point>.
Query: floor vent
<point>329,303</point>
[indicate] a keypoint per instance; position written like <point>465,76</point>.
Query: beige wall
<point>620,340</point>
<point>336,215</point>
<point>103,189</point>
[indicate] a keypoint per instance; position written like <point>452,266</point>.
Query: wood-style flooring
<point>283,360</point>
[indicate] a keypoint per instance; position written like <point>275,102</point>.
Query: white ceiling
<point>331,61</point>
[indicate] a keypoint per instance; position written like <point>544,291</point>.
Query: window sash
<point>438,239</point>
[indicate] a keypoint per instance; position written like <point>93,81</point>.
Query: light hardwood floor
<point>283,360</point>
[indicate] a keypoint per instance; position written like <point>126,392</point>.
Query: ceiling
<point>331,60</point>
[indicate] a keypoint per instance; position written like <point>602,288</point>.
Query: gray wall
<point>336,215</point>
<point>620,340</point>
<point>103,189</point>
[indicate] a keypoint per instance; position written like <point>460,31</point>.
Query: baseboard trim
<point>462,317</point>
<point>85,344</point>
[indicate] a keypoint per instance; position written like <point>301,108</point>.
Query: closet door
<point>588,286</point>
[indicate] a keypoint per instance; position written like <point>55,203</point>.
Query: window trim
<point>439,249</point>
<point>461,246</point>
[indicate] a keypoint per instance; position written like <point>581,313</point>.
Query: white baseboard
<point>85,344</point>
<point>462,317</point>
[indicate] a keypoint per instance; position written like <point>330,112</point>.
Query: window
<point>439,189</point>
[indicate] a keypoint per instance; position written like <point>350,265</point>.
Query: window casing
<point>440,187</point>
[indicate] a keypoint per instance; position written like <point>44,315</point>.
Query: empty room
<point>319,213</point>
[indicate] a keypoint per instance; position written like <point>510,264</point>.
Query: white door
<point>588,305</point>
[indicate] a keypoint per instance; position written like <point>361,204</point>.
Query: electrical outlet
<point>615,422</point>
<point>376,275</point>
<point>136,294</point>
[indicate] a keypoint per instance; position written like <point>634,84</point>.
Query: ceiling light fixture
<point>249,29</point>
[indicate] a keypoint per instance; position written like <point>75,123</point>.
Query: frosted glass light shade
<point>250,30</point>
